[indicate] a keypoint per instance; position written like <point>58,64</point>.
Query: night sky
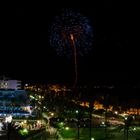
<point>27,55</point>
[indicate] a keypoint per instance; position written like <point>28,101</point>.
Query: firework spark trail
<point>71,34</point>
<point>75,60</point>
<point>69,22</point>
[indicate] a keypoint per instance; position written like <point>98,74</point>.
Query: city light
<point>125,118</point>
<point>23,131</point>
<point>52,114</point>
<point>8,119</point>
<point>77,111</point>
<point>67,128</point>
<point>103,123</point>
<point>116,112</point>
<point>134,129</point>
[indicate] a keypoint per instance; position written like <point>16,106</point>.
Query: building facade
<point>13,100</point>
<point>10,84</point>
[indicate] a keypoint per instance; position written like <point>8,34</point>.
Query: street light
<point>116,112</point>
<point>67,128</point>
<point>127,121</point>
<point>77,112</point>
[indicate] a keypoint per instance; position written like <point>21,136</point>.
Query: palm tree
<point>90,95</point>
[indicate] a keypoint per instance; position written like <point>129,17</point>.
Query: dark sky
<point>27,55</point>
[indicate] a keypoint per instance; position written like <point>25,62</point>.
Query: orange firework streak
<point>75,59</point>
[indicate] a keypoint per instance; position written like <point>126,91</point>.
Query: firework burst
<point>71,27</point>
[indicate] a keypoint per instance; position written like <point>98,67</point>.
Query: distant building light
<point>125,118</point>
<point>77,111</point>
<point>134,128</point>
<point>116,112</point>
<point>8,119</point>
<point>52,114</point>
<point>103,123</point>
<point>67,128</point>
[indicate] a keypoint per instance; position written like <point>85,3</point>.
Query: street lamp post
<point>127,121</point>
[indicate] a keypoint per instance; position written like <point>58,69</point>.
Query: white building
<point>10,84</point>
